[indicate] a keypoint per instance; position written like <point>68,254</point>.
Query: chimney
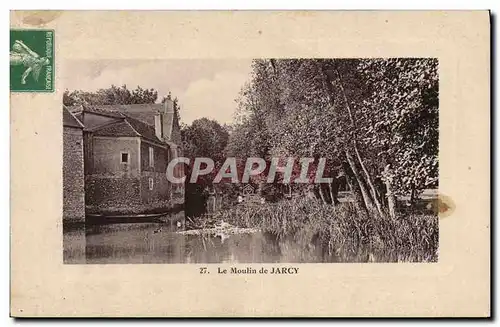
<point>167,119</point>
<point>168,105</point>
<point>159,125</point>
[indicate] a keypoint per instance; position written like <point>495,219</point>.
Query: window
<point>151,183</point>
<point>151,157</point>
<point>124,157</point>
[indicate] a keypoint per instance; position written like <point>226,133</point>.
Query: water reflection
<point>159,243</point>
<point>74,244</point>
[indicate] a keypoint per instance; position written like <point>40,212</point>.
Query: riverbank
<point>410,238</point>
<point>229,230</point>
<point>158,207</point>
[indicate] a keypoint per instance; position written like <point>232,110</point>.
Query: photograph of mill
<point>250,161</point>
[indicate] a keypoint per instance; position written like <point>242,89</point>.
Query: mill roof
<point>69,120</point>
<point>123,124</point>
<point>140,116</point>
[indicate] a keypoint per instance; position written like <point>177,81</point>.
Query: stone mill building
<point>115,159</point>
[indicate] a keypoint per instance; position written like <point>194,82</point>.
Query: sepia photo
<point>271,161</point>
<point>250,163</point>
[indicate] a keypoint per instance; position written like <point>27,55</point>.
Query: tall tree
<point>401,120</point>
<point>203,138</point>
<point>375,120</point>
<point>111,95</point>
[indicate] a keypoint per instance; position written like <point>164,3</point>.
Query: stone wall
<point>107,153</point>
<point>107,195</point>
<point>112,194</point>
<point>161,187</point>
<point>160,157</point>
<point>112,187</point>
<point>73,176</point>
<point>160,191</point>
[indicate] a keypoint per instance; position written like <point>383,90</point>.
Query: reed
<point>341,232</point>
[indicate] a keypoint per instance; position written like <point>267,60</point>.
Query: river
<point>152,243</point>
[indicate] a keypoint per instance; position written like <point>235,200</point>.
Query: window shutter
<point>151,157</point>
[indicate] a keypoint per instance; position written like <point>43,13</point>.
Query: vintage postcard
<point>250,164</point>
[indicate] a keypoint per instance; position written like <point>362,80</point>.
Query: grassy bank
<point>340,232</point>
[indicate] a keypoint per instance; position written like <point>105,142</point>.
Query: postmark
<point>31,60</point>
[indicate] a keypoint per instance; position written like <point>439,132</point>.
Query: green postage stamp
<point>32,60</point>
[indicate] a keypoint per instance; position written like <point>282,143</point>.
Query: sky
<point>205,88</point>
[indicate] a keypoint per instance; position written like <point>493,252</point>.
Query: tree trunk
<point>373,191</point>
<point>391,198</point>
<point>381,191</point>
<point>322,196</point>
<point>334,192</point>
<point>364,192</point>
<point>359,203</point>
<point>361,163</point>
<point>413,196</point>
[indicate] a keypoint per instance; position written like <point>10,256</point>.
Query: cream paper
<point>458,285</point>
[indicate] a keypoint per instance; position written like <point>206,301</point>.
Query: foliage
<point>205,138</point>
<point>111,95</point>
<point>402,117</point>
<point>374,120</point>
